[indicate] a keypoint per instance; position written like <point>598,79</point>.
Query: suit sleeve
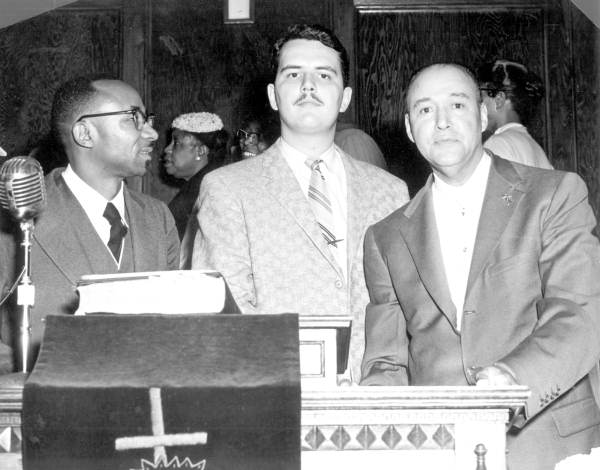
<point>8,276</point>
<point>172,241</point>
<point>564,345</point>
<point>385,361</point>
<point>221,242</point>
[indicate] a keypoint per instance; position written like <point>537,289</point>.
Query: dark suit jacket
<point>66,246</point>
<point>532,302</point>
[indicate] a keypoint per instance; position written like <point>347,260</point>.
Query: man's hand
<point>497,375</point>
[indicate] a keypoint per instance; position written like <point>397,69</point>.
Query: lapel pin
<point>507,198</point>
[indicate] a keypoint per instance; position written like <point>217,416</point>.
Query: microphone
<point>22,189</point>
<point>23,194</point>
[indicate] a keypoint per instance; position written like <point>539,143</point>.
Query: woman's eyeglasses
<point>242,134</point>
<point>137,115</point>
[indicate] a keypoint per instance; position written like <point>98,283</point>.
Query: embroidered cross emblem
<point>507,198</point>
<point>159,440</point>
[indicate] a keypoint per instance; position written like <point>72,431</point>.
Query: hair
<point>418,73</point>
<point>216,142</point>
<point>71,101</point>
<point>523,88</point>
<point>313,33</point>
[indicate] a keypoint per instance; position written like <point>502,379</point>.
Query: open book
<point>167,292</point>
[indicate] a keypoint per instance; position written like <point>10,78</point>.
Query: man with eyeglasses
<point>251,139</point>
<point>94,224</point>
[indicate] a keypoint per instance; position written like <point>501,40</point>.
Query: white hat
<point>198,122</point>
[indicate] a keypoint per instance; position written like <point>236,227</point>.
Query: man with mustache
<point>260,223</point>
<point>489,276</point>
<point>94,224</point>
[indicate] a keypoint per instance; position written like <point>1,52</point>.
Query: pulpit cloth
<point>234,377</point>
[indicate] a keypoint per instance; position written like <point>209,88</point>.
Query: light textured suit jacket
<point>532,302</point>
<point>256,227</point>
<point>66,246</point>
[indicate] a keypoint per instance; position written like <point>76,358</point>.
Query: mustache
<point>308,97</point>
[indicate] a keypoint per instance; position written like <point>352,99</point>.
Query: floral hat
<point>198,122</point>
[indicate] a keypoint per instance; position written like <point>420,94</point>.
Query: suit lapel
<point>66,234</point>
<point>285,190</point>
<point>503,193</point>
<point>355,218</point>
<point>421,237</point>
<point>144,243</point>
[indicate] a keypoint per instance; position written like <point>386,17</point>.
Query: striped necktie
<point>118,230</point>
<point>318,197</point>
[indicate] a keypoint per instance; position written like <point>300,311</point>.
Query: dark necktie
<point>118,230</point>
<point>318,197</point>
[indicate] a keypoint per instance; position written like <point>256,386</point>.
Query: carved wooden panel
<point>560,96</point>
<point>586,90</point>
<point>37,55</point>
<point>390,46</point>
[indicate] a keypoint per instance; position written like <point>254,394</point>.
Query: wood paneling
<point>586,74</point>
<point>36,56</point>
<point>392,45</point>
<point>559,93</point>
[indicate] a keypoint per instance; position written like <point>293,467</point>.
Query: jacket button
<point>339,284</point>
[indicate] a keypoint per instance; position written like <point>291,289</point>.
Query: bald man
<point>489,276</point>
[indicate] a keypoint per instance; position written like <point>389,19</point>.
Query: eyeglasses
<point>242,134</point>
<point>137,115</point>
<point>490,91</point>
<point>504,63</point>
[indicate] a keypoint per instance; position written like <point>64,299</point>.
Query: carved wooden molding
<point>395,398</point>
<point>446,5</point>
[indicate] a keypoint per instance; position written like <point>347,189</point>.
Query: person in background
<point>285,228</point>
<point>358,144</point>
<point>512,94</point>
<point>489,276</point>
<point>198,145</point>
<point>93,223</point>
<point>251,139</point>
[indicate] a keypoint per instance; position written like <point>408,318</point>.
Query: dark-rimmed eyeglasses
<point>242,134</point>
<point>138,117</point>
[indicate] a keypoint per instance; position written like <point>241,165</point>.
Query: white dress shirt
<point>335,177</point>
<point>457,210</point>
<point>513,142</point>
<point>94,204</point>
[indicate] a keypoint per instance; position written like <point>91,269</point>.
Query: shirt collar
<point>90,199</point>
<point>472,189</point>
<point>509,125</point>
<point>296,158</point>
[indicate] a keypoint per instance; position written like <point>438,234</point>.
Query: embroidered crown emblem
<point>173,464</point>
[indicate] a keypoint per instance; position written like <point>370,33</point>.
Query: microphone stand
<point>25,296</point>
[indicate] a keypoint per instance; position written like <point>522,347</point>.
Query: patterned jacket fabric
<point>256,227</point>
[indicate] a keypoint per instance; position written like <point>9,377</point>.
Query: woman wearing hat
<point>198,145</point>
